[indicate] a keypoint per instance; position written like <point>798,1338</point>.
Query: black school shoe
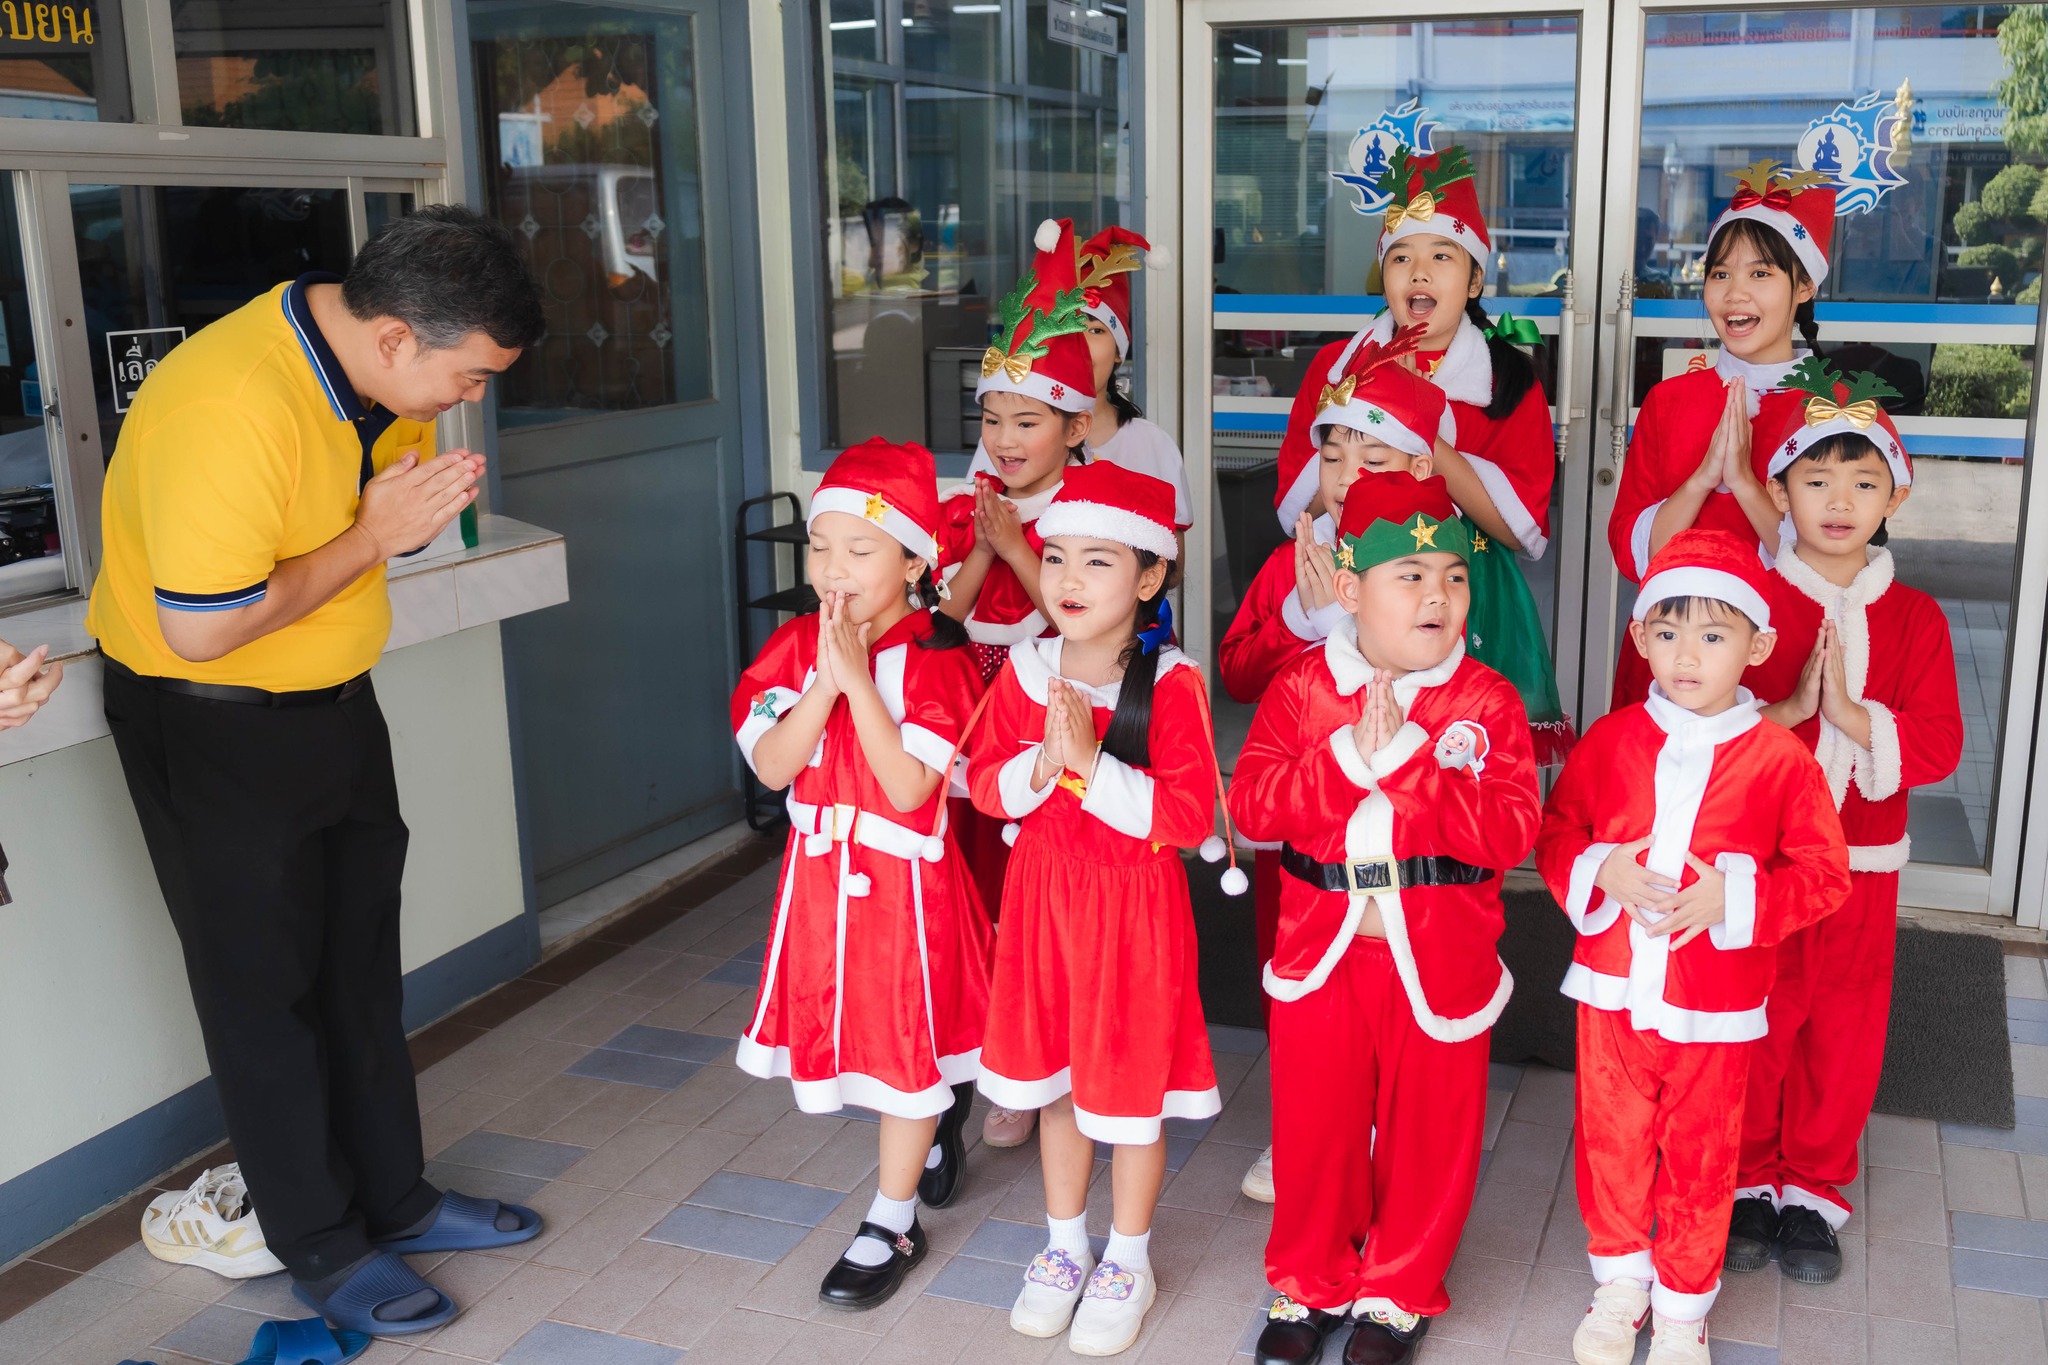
<point>940,1185</point>
<point>1294,1334</point>
<point>1377,1343</point>
<point>847,1285</point>
<point>1752,1234</point>
<point>1807,1249</point>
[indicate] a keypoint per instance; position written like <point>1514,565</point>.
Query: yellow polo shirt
<point>246,446</point>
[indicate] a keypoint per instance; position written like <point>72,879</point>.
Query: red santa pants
<point>1658,1128</point>
<point>1377,1130</point>
<point>1812,1080</point>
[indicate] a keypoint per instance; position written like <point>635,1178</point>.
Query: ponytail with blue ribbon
<point>1152,637</point>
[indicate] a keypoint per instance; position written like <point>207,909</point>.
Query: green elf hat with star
<point>1394,515</point>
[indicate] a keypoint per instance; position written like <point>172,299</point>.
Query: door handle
<point>1624,375</point>
<point>1567,355</point>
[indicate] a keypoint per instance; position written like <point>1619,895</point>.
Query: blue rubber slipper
<point>308,1341</point>
<point>466,1224</point>
<point>353,1307</point>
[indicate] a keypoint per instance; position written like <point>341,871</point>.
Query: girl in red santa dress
<point>875,986</point>
<point>1696,457</point>
<point>1864,674</point>
<point>1097,744</point>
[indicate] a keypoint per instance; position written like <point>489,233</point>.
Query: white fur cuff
<point>1406,743</point>
<point>1013,784</point>
<point>1578,901</point>
<point>1737,928</point>
<point>1879,778</point>
<point>1639,538</point>
<point>1344,747</point>
<point>1310,626</point>
<point>1120,796</point>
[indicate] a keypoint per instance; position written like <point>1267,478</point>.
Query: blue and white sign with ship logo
<point>1408,126</point>
<point>1861,148</point>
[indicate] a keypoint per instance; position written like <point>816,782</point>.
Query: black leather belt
<point>1368,875</point>
<point>241,696</point>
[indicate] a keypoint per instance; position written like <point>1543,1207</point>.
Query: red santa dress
<point>1379,1045</point>
<point>1813,1077</point>
<point>1097,989</point>
<point>1665,1037</point>
<point>875,986</point>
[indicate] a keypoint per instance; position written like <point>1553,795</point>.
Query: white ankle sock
<point>934,1157</point>
<point>1069,1235</point>
<point>1132,1253</point>
<point>894,1214</point>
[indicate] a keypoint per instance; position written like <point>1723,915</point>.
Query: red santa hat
<point>1368,393</point>
<point>1797,205</point>
<point>1393,515</point>
<point>1107,262</point>
<point>1437,195</point>
<point>1706,563</point>
<point>1837,406</point>
<point>1041,347</point>
<point>1117,504</point>
<point>893,486</point>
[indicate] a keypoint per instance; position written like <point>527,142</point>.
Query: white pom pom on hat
<point>1235,883</point>
<point>1159,258</point>
<point>1214,850</point>
<point>1048,235</point>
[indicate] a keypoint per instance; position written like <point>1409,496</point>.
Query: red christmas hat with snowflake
<point>893,486</point>
<point>1108,260</point>
<point>1798,205</point>
<point>1373,394</point>
<point>1114,503</point>
<point>1436,195</point>
<point>1041,349</point>
<point>1707,563</point>
<point>1393,515</point>
<point>1835,406</point>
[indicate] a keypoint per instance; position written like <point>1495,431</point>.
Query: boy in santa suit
<point>1396,773</point>
<point>1380,417</point>
<point>1865,676</point>
<point>1685,839</point>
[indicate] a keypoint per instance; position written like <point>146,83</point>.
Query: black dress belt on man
<point>1381,874</point>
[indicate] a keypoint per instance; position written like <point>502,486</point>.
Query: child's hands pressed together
<point>1076,722</point>
<point>1832,686</point>
<point>1381,718</point>
<point>1736,469</point>
<point>996,523</point>
<point>1692,911</point>
<point>1624,877</point>
<point>1315,569</point>
<point>842,648</point>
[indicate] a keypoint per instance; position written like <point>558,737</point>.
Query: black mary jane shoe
<point>1807,1249</point>
<point>1752,1234</point>
<point>1294,1334</point>
<point>940,1185</point>
<point>848,1285</point>
<point>1375,1343</point>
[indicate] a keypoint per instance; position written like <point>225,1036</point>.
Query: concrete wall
<point>96,1025</point>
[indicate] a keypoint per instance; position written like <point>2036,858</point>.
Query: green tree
<point>2009,196</point>
<point>1974,227</point>
<point>2023,90</point>
<point>2002,261</point>
<point>1977,381</point>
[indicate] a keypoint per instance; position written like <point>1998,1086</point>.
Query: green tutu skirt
<point>1504,632</point>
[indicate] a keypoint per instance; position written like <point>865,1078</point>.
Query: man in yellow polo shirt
<point>267,470</point>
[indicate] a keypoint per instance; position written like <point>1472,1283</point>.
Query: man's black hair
<point>447,272</point>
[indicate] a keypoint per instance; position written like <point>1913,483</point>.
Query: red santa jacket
<point>1738,793</point>
<point>1121,812</point>
<point>1900,665</point>
<point>929,692</point>
<point>1270,627</point>
<point>1301,779</point>
<point>1002,613</point>
<point>1515,457</point>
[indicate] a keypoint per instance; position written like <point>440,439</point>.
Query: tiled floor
<point>691,1212</point>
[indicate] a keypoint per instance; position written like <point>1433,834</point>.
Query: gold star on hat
<point>877,508</point>
<point>1424,532</point>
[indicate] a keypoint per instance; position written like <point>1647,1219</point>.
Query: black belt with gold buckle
<point>241,696</point>
<point>1368,875</point>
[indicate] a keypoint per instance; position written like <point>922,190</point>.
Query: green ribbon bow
<point>1520,331</point>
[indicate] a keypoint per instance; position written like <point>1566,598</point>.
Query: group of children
<point>995,755</point>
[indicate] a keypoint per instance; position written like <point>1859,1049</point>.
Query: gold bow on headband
<point>1016,366</point>
<point>1337,395</point>
<point>1860,413</point>
<point>1421,208</point>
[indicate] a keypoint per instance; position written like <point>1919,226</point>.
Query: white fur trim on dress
<point>1791,229</point>
<point>1836,1215</point>
<point>1878,767</point>
<point>1737,928</point>
<point>1350,671</point>
<point>1120,796</point>
<point>1465,374</point>
<point>1669,1303</point>
<point>856,502</point>
<point>1000,633</point>
<point>1881,857</point>
<point>1055,392</point>
<point>1037,662</point>
<point>1118,524</point>
<point>1696,580</point>
<point>779,700</point>
<point>1115,1129</point>
<point>1612,993</point>
<point>1578,901</point>
<point>831,1094</point>
<point>1013,784</point>
<point>1310,626</point>
<point>1509,504</point>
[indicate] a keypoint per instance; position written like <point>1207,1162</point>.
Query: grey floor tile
<point>1249,1042</point>
<point>673,1043</point>
<point>755,952</point>
<point>782,1200</point>
<point>271,1295</point>
<point>2000,1274</point>
<point>1503,1076</point>
<point>1189,1128</point>
<point>634,1068</point>
<point>473,1180</point>
<point>2024,1138</point>
<point>216,1334</point>
<point>2008,1236</point>
<point>1255,1323</point>
<point>2030,1109</point>
<point>998,1239</point>
<point>2021,1008</point>
<point>1726,1352</point>
<point>728,1234</point>
<point>2027,1030</point>
<point>556,1343</point>
<point>735,972</point>
<point>970,1279</point>
<point>514,1155</point>
<point>862,1115</point>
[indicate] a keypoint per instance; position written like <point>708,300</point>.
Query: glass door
<point>1934,282</point>
<point>1293,109</point>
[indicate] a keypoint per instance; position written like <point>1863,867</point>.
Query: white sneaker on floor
<point>1607,1334</point>
<point>211,1226</point>
<point>1112,1310</point>
<point>1052,1287</point>
<point>1678,1343</point>
<point>1258,1181</point>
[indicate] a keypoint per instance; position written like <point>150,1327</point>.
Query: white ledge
<point>515,568</point>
